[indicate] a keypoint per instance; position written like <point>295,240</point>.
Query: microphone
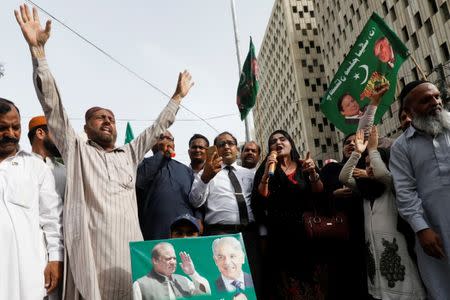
<point>272,165</point>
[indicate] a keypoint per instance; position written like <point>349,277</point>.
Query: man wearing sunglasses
<point>162,189</point>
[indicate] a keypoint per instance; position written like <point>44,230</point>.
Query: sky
<point>157,40</point>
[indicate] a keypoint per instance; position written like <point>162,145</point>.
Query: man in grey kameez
<point>420,164</point>
<point>100,211</point>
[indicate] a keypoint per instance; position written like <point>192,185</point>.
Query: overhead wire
<point>115,60</point>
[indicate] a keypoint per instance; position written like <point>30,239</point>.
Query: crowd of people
<point>70,208</point>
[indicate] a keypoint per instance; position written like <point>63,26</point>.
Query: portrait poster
<point>373,61</point>
<point>212,269</point>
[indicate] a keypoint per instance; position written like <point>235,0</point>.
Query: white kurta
<point>380,226</point>
<point>30,226</point>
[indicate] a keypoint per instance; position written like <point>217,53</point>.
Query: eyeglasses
<point>222,144</point>
<point>165,137</point>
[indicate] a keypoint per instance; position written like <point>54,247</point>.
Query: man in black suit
<point>229,258</point>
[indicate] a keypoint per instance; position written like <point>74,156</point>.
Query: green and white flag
<point>248,83</point>
<point>129,136</point>
<point>374,60</point>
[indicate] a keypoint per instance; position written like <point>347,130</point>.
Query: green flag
<point>374,60</point>
<point>129,136</point>
<point>248,83</point>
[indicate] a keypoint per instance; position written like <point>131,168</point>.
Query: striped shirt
<point>100,212</point>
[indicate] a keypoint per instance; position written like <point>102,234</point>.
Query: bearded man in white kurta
<point>31,238</point>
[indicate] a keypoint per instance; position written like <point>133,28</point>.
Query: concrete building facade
<point>423,25</point>
<point>292,79</point>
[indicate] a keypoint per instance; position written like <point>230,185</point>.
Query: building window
<point>300,44</point>
<point>429,63</point>
<point>415,42</point>
<point>332,127</point>
<point>318,81</point>
<point>324,148</point>
<point>320,163</point>
<point>358,15</point>
<point>324,86</point>
<point>444,12</point>
<point>385,8</point>
<point>320,127</point>
<point>306,82</point>
<point>311,13</point>
<point>418,20</point>
<point>405,34</point>
<point>300,14</point>
<point>433,6</point>
<point>322,68</point>
<point>444,52</point>
<point>303,62</point>
<point>393,13</point>
<point>294,9</point>
<point>406,3</point>
<point>429,27</point>
<point>313,121</point>
<point>328,141</point>
<point>297,26</point>
<point>315,63</point>
<point>304,32</point>
<point>350,23</point>
<point>305,8</point>
<point>335,147</point>
<point>308,26</point>
<point>316,142</point>
<point>315,31</point>
<point>310,69</point>
<point>352,10</point>
<point>325,121</point>
<point>316,107</point>
<point>311,44</point>
<point>314,89</point>
<point>310,101</point>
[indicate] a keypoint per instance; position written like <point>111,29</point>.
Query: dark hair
<point>223,133</point>
<point>294,153</point>
<point>32,132</point>
<point>6,105</point>
<point>339,103</point>
<point>251,142</point>
<point>198,136</point>
<point>347,137</point>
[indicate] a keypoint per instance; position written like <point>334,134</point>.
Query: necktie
<point>238,285</point>
<point>242,205</point>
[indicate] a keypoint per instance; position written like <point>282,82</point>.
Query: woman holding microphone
<point>283,190</point>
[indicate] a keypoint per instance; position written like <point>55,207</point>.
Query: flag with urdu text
<point>374,60</point>
<point>129,136</point>
<point>248,83</point>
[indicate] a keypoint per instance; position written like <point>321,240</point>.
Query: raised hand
<point>186,263</point>
<point>183,86</point>
<point>380,91</point>
<point>360,144</point>
<point>31,27</point>
<point>212,166</point>
<point>373,139</point>
<point>359,173</point>
<point>308,164</point>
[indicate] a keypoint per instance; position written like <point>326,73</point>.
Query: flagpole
<point>424,77</point>
<point>238,55</point>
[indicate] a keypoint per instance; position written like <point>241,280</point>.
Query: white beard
<point>433,125</point>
